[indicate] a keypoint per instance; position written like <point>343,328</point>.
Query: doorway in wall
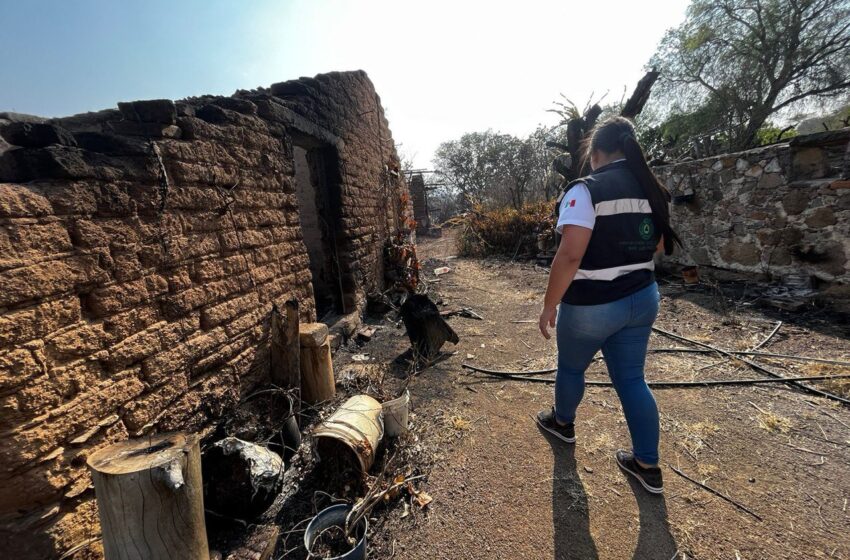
<point>317,191</point>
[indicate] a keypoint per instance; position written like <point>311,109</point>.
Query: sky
<point>442,68</point>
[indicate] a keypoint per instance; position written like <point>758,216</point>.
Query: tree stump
<point>317,372</point>
<point>150,498</point>
<point>285,369</point>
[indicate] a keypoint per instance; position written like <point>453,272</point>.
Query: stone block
<point>796,201</point>
<point>821,217</point>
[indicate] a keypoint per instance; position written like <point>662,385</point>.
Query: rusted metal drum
<point>358,425</point>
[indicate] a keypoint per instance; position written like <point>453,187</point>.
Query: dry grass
<point>602,442</point>
<point>773,422</point>
<point>838,386</point>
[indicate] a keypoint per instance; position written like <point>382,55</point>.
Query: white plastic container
<point>396,413</point>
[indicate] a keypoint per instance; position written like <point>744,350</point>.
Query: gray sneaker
<point>649,478</point>
<point>546,420</point>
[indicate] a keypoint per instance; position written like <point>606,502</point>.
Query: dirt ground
<point>502,489</point>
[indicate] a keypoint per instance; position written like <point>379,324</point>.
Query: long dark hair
<point>618,134</point>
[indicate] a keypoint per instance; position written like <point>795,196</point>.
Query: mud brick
<point>178,359</point>
<point>21,201</point>
<point>217,314</point>
<point>137,413</point>
<point>150,341</point>
<point>19,449</point>
<point>38,320</point>
<point>81,340</point>
<point>118,297</point>
<point>36,135</point>
<point>152,111</point>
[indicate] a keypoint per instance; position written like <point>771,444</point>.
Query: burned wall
<point>142,251</point>
<point>779,210</point>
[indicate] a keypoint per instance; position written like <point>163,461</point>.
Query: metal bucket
<point>334,516</point>
<point>358,425</point>
<point>396,413</point>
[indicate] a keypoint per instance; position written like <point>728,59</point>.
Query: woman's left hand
<point>547,319</point>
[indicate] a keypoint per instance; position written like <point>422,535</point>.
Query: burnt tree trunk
<point>426,328</point>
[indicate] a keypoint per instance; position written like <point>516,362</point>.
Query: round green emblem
<point>646,229</point>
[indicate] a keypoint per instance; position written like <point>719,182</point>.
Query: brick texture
<point>141,251</point>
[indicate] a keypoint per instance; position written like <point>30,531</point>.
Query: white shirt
<point>576,209</point>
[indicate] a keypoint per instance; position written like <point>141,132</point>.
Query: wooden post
<point>150,498</point>
<point>285,348</point>
<point>317,372</point>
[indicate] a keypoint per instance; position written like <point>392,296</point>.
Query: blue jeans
<point>621,329</point>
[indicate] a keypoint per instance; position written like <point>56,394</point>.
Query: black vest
<point>620,256</point>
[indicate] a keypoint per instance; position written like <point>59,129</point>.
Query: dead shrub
<point>504,231</point>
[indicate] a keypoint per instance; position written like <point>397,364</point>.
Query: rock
<point>738,252</point>
<point>152,111</point>
<point>754,171</point>
<point>821,217</point>
<point>241,479</point>
<point>773,166</point>
<point>718,166</point>
<point>742,165</point>
<point>796,201</point>
<point>809,163</point>
<point>36,135</point>
<point>771,181</point>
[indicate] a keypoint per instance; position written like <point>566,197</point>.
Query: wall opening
<point>317,191</point>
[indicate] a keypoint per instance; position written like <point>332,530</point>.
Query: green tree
<point>739,62</point>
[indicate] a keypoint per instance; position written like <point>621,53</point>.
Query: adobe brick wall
<point>420,202</point>
<point>777,210</point>
<point>141,250</point>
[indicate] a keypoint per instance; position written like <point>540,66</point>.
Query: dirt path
<point>503,490</point>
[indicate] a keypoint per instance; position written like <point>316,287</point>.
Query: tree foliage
<point>734,64</point>
<point>491,169</point>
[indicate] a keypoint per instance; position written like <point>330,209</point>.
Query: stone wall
<point>778,210</point>
<point>141,251</point>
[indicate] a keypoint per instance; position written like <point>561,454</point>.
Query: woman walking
<point>602,289</point>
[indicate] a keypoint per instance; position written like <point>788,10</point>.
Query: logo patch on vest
<point>572,203</point>
<point>646,229</point>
